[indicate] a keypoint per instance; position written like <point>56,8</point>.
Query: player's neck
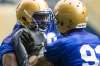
<point>72,31</point>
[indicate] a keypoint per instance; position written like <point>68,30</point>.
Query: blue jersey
<point>78,48</point>
<point>6,46</point>
<point>51,33</point>
<point>7,43</point>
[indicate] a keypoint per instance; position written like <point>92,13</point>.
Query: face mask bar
<point>42,19</point>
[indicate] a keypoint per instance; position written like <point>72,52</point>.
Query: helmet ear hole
<point>70,24</point>
<point>62,24</point>
<point>23,17</point>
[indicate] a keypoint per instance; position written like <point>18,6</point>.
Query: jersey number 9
<point>88,54</point>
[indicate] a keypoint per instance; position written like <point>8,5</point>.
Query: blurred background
<point>8,15</point>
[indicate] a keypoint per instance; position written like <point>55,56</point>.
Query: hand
<point>28,41</point>
<point>33,60</point>
<point>32,41</point>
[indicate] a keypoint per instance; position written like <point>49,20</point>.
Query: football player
<point>34,19</point>
<point>35,16</point>
<point>75,46</point>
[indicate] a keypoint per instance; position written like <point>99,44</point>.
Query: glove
<point>20,51</point>
<point>28,42</point>
<point>32,41</point>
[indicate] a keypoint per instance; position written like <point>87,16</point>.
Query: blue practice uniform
<point>77,48</point>
<point>6,46</point>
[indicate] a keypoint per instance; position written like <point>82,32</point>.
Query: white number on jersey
<point>92,57</point>
<point>51,37</point>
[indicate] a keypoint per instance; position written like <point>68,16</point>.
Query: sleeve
<point>16,27</point>
<point>6,47</point>
<point>53,51</point>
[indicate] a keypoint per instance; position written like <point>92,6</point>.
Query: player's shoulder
<point>79,37</point>
<point>84,37</point>
<point>60,42</point>
<point>20,31</point>
<point>92,35</point>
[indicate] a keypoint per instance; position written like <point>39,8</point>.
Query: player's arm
<point>9,59</point>
<point>43,62</point>
<point>33,60</point>
<point>39,61</point>
<point>25,49</point>
<point>54,51</point>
